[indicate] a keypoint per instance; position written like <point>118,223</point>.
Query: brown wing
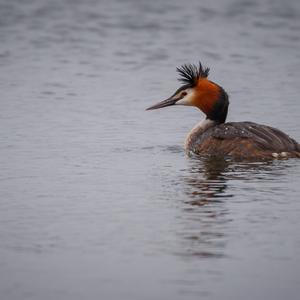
<point>246,139</point>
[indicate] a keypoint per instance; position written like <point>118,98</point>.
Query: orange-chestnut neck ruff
<point>212,100</point>
<point>207,94</point>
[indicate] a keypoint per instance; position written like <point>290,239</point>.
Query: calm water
<point>98,200</point>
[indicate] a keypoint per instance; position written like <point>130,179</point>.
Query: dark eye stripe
<point>182,88</point>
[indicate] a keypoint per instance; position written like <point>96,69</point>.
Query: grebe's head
<point>200,92</point>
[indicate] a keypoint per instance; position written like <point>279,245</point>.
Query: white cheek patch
<point>187,100</point>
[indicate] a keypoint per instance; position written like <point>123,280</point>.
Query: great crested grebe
<point>214,137</point>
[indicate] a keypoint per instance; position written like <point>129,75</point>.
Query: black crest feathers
<point>190,74</point>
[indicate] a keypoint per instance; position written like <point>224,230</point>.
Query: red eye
<point>183,94</point>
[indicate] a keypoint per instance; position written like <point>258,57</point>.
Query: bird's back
<point>246,140</point>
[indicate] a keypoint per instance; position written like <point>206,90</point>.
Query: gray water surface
<point>98,200</point>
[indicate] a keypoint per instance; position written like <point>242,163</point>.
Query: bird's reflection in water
<point>207,178</point>
<point>206,181</point>
<point>205,217</point>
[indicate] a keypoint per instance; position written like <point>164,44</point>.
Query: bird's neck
<point>199,129</point>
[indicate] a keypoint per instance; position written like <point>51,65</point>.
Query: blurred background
<point>97,198</point>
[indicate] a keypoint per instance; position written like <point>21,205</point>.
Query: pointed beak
<point>168,102</point>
